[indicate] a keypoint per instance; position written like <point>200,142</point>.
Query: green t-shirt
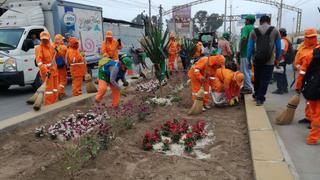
<point>245,32</point>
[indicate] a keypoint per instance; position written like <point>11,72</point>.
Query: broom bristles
<point>198,103</point>
<point>287,116</point>
<point>90,87</point>
<point>32,99</point>
<point>38,103</point>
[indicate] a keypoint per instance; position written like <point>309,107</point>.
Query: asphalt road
<point>13,101</point>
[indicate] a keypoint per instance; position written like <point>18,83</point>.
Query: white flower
<point>158,146</point>
<point>163,138</point>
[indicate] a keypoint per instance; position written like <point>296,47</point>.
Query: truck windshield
<point>9,38</point>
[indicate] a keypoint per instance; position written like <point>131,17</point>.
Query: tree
<point>203,22</point>
<point>138,19</point>
<point>214,22</point>
<point>199,21</point>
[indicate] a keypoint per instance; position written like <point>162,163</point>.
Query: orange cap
<point>109,34</point>
<point>239,77</point>
<point>310,32</point>
<point>59,37</point>
<point>217,60</point>
<point>73,41</point>
<point>44,35</point>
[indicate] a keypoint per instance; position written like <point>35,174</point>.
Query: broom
<point>90,87</point>
<point>286,117</point>
<point>198,103</point>
<point>39,96</point>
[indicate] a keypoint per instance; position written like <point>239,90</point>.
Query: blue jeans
<point>262,77</point>
<point>282,82</point>
<point>244,68</point>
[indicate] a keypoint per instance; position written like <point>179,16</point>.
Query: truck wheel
<point>4,87</point>
<point>37,82</point>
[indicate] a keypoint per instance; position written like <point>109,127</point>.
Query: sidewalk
<point>305,159</point>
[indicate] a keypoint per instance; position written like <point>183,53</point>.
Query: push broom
<point>198,103</point>
<point>90,87</point>
<point>286,117</point>
<point>39,95</point>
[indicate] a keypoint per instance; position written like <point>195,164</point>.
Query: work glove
<point>125,84</point>
<point>48,74</point>
<point>58,48</point>
<point>119,41</point>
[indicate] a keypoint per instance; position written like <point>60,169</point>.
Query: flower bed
<point>150,86</point>
<point>176,137</point>
<point>74,126</point>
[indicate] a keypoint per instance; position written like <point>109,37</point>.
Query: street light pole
<point>225,15</point>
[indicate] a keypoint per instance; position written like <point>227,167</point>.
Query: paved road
<point>305,158</point>
<point>13,101</point>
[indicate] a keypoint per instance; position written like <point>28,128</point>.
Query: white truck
<point>26,19</point>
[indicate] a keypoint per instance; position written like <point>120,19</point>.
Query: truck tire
<point>4,87</point>
<point>37,82</point>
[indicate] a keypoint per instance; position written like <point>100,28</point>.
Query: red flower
<point>155,129</point>
<point>166,141</point>
<point>149,146</point>
<point>148,134</point>
<point>155,138</point>
<point>189,135</point>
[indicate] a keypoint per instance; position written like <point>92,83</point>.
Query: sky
<point>128,9</point>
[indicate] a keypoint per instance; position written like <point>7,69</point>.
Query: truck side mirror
<point>27,44</point>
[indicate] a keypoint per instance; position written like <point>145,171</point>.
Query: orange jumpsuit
<point>198,50</point>
<point>172,54</point>
<point>229,82</point>
<point>313,106</point>
<point>62,72</point>
<point>77,66</point>
<point>202,73</point>
<point>110,47</point>
<point>44,56</point>
<point>304,54</point>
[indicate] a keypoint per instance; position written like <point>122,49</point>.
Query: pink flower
<point>148,134</point>
<point>166,141</point>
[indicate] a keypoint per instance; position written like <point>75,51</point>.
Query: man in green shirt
<point>245,65</point>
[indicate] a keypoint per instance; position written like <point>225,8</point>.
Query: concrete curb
<point>267,157</point>
<point>33,117</point>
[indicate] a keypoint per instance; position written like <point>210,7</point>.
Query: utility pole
<point>280,14</point>
<point>230,18</point>
<point>293,20</point>
<point>150,9</point>
<point>160,18</point>
<point>225,15</point>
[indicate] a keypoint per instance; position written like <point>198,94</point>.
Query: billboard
<point>181,14</point>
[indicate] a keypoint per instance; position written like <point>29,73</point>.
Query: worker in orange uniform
<point>311,64</point>
<point>304,53</point>
<point>61,49</point>
<point>228,84</point>
<point>201,73</point>
<point>77,66</point>
<point>110,47</point>
<point>198,50</point>
<point>172,52</point>
<point>109,75</point>
<point>45,55</point>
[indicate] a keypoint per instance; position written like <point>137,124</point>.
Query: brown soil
<point>22,156</point>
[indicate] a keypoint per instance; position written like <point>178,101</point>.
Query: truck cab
<point>20,28</point>
<point>17,55</point>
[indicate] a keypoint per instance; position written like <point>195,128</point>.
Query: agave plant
<point>155,44</point>
<point>188,47</point>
